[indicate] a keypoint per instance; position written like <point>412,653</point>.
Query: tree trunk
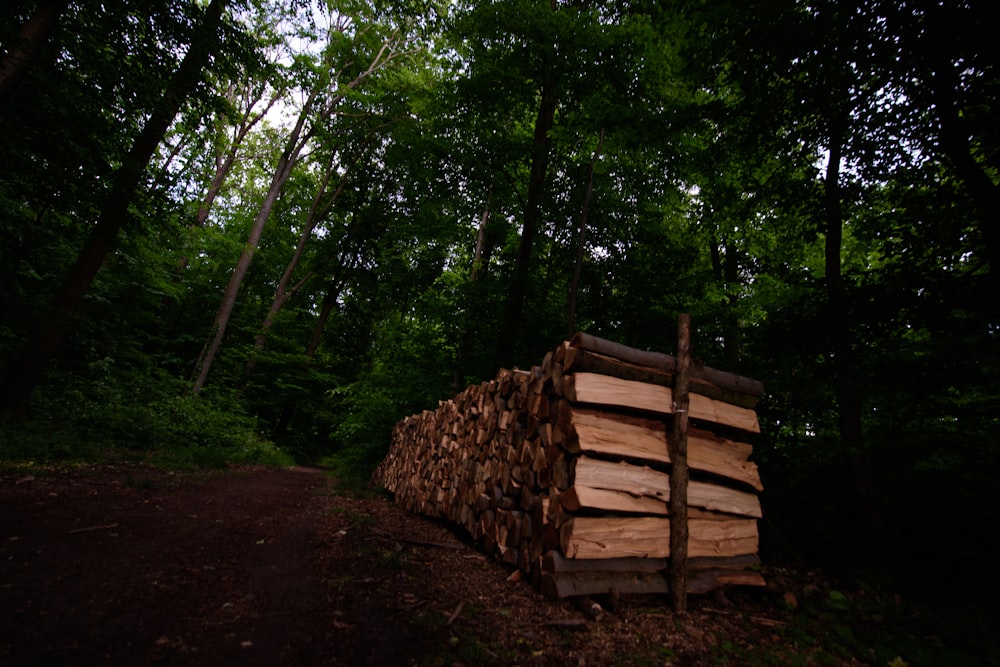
<point>247,122</point>
<point>958,151</point>
<point>289,157</point>
<point>510,328</point>
<point>282,293</point>
<point>215,185</point>
<point>329,302</point>
<point>955,139</point>
<point>293,147</point>
<point>24,49</point>
<point>29,369</point>
<point>480,262</point>
<point>848,384</point>
<point>326,309</point>
<point>574,285</point>
<point>725,260</point>
<point>678,447</point>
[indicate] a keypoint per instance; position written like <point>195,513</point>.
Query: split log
<point>578,360</point>
<point>577,498</point>
<point>703,581</point>
<point>610,391</point>
<point>611,486</point>
<point>566,577</point>
<point>573,584</point>
<point>637,438</point>
<point>555,561</point>
<point>648,537</point>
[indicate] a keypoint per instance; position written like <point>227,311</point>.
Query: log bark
<point>578,360</point>
<point>659,360</point>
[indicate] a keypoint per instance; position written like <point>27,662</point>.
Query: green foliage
<point>706,199</point>
<point>122,413</point>
<point>410,372</point>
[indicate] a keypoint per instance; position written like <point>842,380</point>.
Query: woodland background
<point>262,231</point>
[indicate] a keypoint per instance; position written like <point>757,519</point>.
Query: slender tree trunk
<point>731,328</point>
<point>164,169</point>
<point>677,447</point>
<point>481,255</point>
<point>293,147</point>
<point>215,185</point>
<point>223,166</point>
<point>480,262</point>
<point>289,157</point>
<point>955,137</point>
<point>282,293</point>
<point>513,309</point>
<point>574,285</point>
<point>848,383</point>
<point>30,367</point>
<point>958,151</point>
<point>329,303</point>
<point>21,53</point>
<point>326,309</point>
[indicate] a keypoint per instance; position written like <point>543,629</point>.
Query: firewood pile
<point>563,470</point>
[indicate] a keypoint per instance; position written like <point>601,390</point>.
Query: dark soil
<point>133,566</point>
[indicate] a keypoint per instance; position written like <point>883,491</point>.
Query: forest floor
<point>133,565</point>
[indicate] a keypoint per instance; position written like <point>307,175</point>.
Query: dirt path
<point>105,565</point>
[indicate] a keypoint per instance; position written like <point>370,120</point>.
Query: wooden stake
<point>677,446</point>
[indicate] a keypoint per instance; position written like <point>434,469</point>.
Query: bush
<point>137,414</point>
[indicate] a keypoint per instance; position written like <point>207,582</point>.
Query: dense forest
<point>264,231</point>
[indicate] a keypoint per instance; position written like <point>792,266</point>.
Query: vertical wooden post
<point>677,446</point>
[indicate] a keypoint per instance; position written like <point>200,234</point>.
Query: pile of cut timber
<point>563,470</point>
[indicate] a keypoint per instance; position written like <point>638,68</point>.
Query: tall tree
<point>284,291</point>
<point>953,64</point>
<point>548,74</point>
<point>581,243</point>
<point>29,369</point>
<point>24,47</point>
<point>320,105</point>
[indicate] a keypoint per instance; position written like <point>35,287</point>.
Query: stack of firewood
<point>563,470</point>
